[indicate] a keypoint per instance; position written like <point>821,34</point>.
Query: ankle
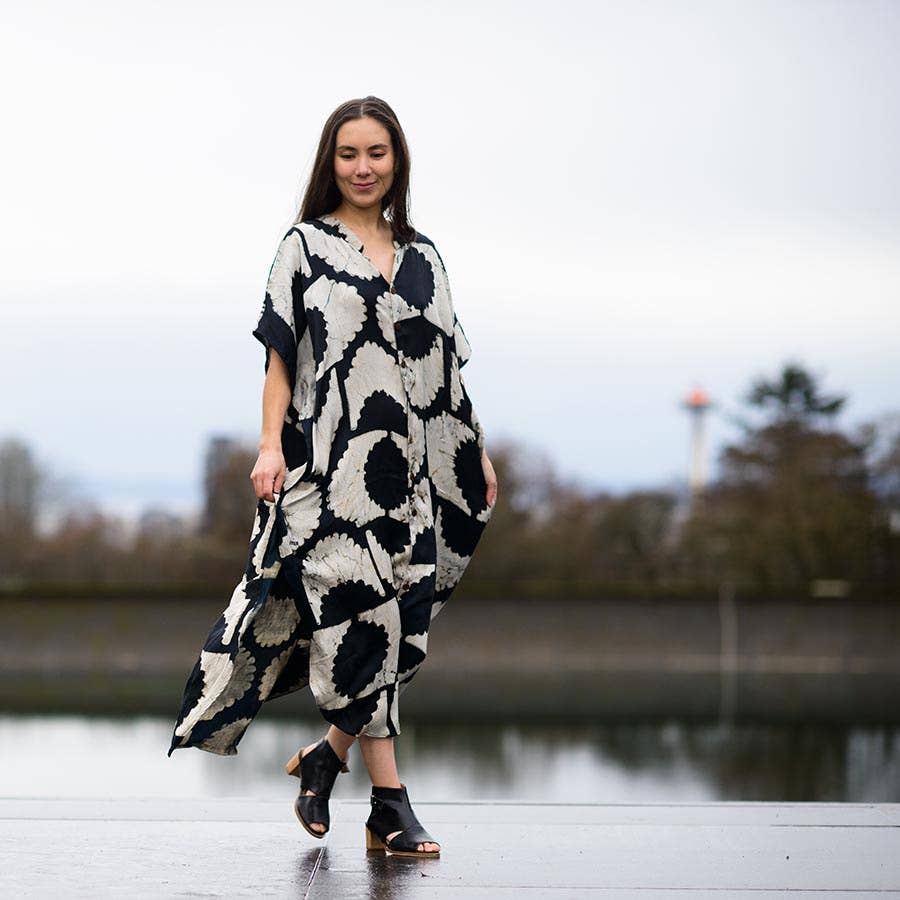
<point>342,753</point>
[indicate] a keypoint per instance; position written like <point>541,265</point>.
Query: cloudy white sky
<point>631,198</point>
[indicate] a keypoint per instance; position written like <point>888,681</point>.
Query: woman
<point>373,482</point>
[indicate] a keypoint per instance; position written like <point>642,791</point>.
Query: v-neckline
<point>355,241</point>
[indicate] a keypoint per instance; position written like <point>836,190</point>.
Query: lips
<point>366,184</point>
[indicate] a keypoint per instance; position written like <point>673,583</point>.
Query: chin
<point>365,202</point>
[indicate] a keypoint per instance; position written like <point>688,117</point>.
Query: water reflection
<point>79,756</point>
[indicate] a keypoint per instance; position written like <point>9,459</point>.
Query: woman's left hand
<point>490,476</point>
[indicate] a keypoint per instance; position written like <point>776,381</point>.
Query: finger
<point>279,479</point>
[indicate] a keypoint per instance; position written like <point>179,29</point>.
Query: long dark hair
<point>322,195</point>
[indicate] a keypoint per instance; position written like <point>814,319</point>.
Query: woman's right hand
<point>269,473</point>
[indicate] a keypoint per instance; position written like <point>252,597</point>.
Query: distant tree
<point>882,440</point>
<point>20,483</point>
<point>631,537</point>
<point>229,498</point>
<point>792,502</point>
<point>794,396</point>
<point>20,480</point>
<point>550,528</point>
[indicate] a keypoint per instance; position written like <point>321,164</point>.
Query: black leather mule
<point>391,811</point>
<point>317,770</point>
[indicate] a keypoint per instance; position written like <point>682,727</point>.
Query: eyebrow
<point>373,147</point>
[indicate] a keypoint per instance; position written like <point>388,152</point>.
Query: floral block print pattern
<point>384,501</point>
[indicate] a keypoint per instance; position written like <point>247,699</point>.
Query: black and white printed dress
<point>383,504</point>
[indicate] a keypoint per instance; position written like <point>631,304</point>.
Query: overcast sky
<point>631,199</point>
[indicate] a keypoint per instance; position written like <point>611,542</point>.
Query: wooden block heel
<point>373,842</point>
<point>292,766</point>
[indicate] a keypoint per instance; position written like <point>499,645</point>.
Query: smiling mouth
<point>366,184</point>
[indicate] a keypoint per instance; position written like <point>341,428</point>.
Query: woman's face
<point>363,162</point>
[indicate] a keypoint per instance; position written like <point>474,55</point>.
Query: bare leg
<point>378,754</point>
<point>340,741</point>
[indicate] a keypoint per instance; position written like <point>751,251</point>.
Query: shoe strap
<point>319,769</point>
<point>392,811</point>
<point>314,809</point>
<point>335,759</point>
<point>409,839</point>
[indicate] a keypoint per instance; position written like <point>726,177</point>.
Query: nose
<point>362,166</point>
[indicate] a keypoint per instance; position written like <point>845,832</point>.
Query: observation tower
<point>697,403</point>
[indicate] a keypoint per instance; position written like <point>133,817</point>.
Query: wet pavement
<point>238,848</point>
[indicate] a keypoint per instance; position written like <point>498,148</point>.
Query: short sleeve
<point>463,351</point>
<point>282,320</point>
<point>461,343</point>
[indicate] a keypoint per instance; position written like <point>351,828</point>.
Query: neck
<point>361,218</point>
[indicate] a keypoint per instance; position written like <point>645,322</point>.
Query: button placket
<point>416,502</point>
<point>408,380</point>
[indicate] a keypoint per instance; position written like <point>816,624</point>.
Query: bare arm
<point>270,470</point>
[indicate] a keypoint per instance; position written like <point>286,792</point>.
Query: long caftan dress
<point>384,500</point>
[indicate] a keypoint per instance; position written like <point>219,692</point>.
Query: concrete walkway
<point>238,848</point>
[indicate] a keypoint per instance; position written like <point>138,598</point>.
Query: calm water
<point>78,756</point>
